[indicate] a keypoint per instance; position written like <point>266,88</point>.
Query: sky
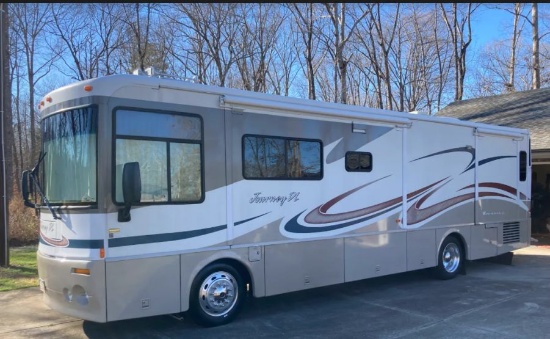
<point>489,26</point>
<point>496,24</point>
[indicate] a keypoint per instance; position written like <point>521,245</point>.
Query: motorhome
<point>161,196</point>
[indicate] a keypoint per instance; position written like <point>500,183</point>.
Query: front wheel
<point>216,295</point>
<point>450,259</point>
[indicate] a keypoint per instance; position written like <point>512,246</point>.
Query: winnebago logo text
<point>280,199</point>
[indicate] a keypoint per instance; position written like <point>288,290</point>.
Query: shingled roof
<point>527,109</point>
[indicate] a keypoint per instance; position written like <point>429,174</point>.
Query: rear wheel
<point>450,259</point>
<point>216,295</point>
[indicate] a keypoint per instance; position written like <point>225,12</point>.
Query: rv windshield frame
<point>70,144</point>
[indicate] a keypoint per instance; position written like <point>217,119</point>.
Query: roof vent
<point>150,71</point>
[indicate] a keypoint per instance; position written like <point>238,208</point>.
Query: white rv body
<point>428,178</point>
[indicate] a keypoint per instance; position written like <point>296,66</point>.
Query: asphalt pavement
<point>492,300</point>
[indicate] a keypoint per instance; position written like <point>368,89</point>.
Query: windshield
<point>70,146</point>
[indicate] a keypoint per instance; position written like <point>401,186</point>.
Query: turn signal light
<point>83,271</point>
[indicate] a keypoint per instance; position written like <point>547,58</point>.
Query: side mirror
<point>131,189</point>
<point>131,183</point>
<point>27,188</point>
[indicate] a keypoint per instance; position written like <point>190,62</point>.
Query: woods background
<point>404,57</point>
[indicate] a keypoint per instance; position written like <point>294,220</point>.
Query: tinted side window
<point>281,158</point>
<point>358,162</point>
<point>168,148</point>
<point>522,166</point>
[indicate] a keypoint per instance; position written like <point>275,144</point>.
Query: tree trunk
<point>536,63</point>
<point>6,138</point>
<point>460,43</point>
<point>510,86</point>
<point>304,22</point>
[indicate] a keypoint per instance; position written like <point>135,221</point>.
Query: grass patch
<point>22,271</point>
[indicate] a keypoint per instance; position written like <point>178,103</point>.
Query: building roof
<point>527,109</point>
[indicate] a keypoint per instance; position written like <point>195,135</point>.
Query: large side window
<point>281,158</point>
<point>70,156</point>
<point>168,148</point>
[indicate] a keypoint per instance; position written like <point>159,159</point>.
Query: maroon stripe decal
<point>495,185</point>
<point>416,213</point>
<point>320,216</point>
<point>58,243</point>
<point>499,186</point>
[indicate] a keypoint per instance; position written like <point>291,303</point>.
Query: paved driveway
<point>491,301</point>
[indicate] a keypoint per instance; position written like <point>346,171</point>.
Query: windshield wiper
<point>34,178</point>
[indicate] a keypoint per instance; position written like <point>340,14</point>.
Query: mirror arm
<point>124,213</point>
<point>25,189</point>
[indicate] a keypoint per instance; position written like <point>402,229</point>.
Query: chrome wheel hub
<point>451,257</point>
<point>218,294</point>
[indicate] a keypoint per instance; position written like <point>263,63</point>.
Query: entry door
<point>497,179</point>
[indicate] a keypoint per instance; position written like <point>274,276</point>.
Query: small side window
<point>522,166</point>
<point>530,152</point>
<point>358,162</point>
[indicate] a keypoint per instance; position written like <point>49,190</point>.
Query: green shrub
<point>23,224</point>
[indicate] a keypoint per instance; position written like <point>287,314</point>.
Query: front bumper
<point>71,292</point>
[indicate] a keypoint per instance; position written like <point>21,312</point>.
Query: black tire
<point>450,259</point>
<point>216,295</point>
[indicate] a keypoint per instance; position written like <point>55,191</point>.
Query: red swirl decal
<point>63,242</point>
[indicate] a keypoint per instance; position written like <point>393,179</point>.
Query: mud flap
<point>504,259</point>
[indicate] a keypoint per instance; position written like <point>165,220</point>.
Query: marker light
<point>83,271</point>
<point>88,88</point>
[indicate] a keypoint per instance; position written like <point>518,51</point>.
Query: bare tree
<point>521,67</point>
<point>21,143</point>
<point>369,62</point>
<point>259,35</point>
<point>533,20</point>
<point>107,22</point>
<point>342,32</point>
<point>432,57</point>
<point>306,16</point>
<point>283,69</point>
<point>443,54</point>
<point>492,75</point>
<point>89,35</point>
<point>510,86</point>
<point>29,23</point>
<point>6,107</point>
<point>212,30</point>
<point>4,171</point>
<point>460,29</point>
<point>141,51</point>
<point>385,41</point>
<point>536,53</point>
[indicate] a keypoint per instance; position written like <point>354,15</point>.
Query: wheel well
<point>240,267</point>
<point>461,241</point>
